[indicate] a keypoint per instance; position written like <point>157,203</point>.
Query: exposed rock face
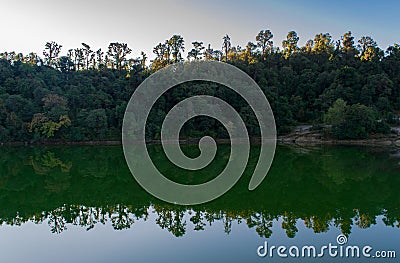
<point>309,138</point>
<point>303,135</point>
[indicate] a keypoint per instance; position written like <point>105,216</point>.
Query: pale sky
<point>26,25</point>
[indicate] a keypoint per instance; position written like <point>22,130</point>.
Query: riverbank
<point>297,138</point>
<point>315,139</point>
<point>304,135</point>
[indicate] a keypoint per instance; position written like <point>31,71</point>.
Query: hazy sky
<point>26,24</point>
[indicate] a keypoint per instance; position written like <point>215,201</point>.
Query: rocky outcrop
<point>310,137</point>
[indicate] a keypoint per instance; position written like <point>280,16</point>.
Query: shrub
<point>355,121</point>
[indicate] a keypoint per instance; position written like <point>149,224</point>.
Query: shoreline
<point>292,139</point>
<point>315,138</point>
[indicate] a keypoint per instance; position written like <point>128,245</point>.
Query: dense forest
<point>349,86</point>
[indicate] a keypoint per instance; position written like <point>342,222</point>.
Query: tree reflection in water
<point>87,186</point>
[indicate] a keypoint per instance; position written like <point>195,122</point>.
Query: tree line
<point>350,85</point>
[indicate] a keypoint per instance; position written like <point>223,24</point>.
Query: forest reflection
<point>324,187</point>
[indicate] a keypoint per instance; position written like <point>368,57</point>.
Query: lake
<point>81,204</point>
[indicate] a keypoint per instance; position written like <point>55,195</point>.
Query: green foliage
<point>290,44</point>
<point>353,122</point>
<point>43,127</point>
<point>337,113</point>
<point>96,121</point>
<point>91,88</point>
<point>323,43</point>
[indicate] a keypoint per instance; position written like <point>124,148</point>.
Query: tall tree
<point>264,41</point>
<point>117,53</point>
<point>323,43</point>
<point>99,59</point>
<point>78,58</point>
<point>51,52</point>
<point>226,46</point>
<point>143,59</point>
<point>290,44</point>
<point>88,55</point>
<point>208,52</point>
<point>369,49</point>
<point>197,51</point>
<point>177,45</point>
<point>348,42</point>
<point>162,53</point>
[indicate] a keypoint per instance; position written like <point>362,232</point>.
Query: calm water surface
<point>81,204</point>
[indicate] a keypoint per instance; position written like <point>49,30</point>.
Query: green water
<point>82,204</point>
